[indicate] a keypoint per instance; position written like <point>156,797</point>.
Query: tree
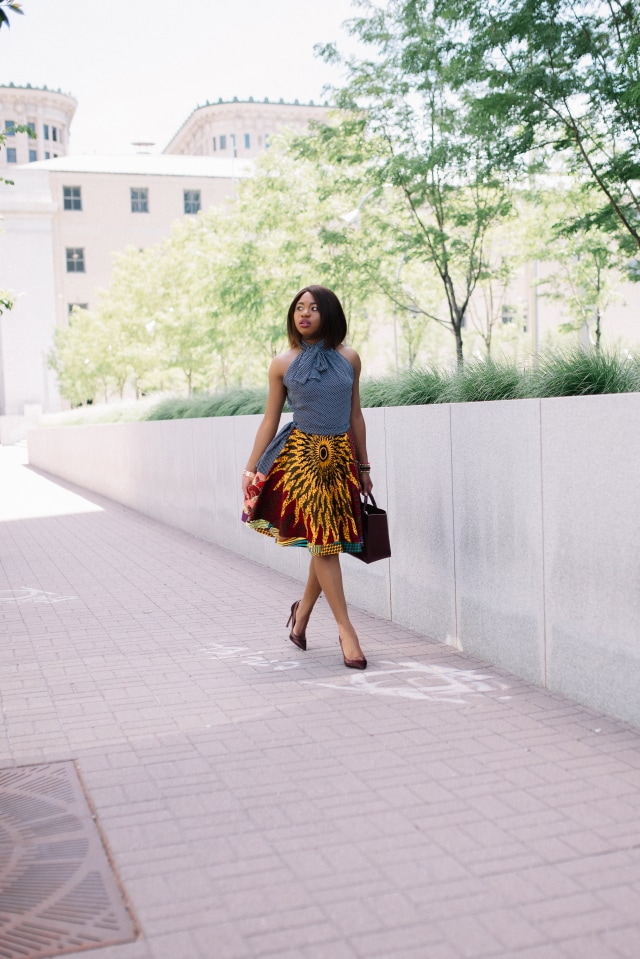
<point>279,238</point>
<point>406,129</point>
<point>5,6</point>
<point>80,358</point>
<point>587,262</point>
<point>545,77</point>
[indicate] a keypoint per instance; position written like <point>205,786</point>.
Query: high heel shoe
<point>352,663</point>
<point>299,641</point>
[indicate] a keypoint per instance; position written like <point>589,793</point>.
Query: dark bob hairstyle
<point>333,329</point>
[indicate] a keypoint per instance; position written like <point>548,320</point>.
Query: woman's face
<point>307,318</point>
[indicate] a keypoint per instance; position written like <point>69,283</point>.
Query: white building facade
<point>47,114</point>
<point>240,129</point>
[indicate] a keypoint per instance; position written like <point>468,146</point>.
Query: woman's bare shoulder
<point>350,354</point>
<point>281,363</point>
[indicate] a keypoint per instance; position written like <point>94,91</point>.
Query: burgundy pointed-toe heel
<point>299,641</point>
<point>352,663</point>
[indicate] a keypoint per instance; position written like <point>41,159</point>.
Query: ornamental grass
<point>576,373</point>
<point>570,372</point>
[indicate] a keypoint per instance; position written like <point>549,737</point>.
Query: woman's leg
<point>329,577</point>
<point>310,596</point>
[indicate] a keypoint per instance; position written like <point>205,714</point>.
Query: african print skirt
<point>311,496</point>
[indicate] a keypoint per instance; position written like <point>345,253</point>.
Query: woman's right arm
<point>271,419</point>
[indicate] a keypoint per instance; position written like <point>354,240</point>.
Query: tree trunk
<point>457,332</point>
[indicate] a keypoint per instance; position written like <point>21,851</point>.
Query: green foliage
<point>576,373</point>
<point>484,380</point>
<point>418,203</point>
<point>555,76</point>
<point>568,373</point>
<point>587,262</point>
<point>236,402</point>
<point>205,309</point>
<point>411,388</point>
<point>5,6</point>
<point>80,358</point>
<point>405,131</point>
<point>7,301</point>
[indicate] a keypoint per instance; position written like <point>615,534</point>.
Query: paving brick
<point>258,801</point>
<point>592,947</point>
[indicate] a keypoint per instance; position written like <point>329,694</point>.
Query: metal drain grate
<point>58,893</point>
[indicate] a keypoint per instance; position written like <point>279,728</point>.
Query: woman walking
<point>302,486</point>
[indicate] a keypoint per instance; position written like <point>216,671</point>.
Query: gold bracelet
<point>247,473</point>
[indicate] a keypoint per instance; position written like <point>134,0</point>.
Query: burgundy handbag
<point>375,532</point>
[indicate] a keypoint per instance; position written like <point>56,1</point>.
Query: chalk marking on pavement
<point>255,658</point>
<point>412,680</point>
<point>405,679</point>
<point>220,651</point>
<point>28,594</point>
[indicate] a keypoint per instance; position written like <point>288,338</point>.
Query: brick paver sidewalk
<point>261,801</point>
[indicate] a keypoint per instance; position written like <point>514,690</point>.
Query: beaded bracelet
<point>364,467</point>
<point>247,473</point>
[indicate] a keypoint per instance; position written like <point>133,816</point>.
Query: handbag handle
<point>365,497</point>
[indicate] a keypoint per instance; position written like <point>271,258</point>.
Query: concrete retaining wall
<point>514,525</point>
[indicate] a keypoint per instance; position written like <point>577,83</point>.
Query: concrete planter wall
<point>515,525</point>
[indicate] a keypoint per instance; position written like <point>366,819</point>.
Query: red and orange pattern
<point>311,495</point>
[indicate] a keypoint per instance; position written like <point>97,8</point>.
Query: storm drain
<point>58,893</point>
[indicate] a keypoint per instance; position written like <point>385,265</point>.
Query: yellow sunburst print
<point>315,480</point>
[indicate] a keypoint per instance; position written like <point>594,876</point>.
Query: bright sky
<point>138,69</point>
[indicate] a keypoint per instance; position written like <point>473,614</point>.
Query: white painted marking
<point>220,651</point>
<point>405,679</point>
<point>28,594</point>
<point>409,679</point>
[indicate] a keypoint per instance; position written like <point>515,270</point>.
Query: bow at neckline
<point>310,363</point>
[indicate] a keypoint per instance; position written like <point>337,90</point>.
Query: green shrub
<point>378,392</point>
<point>483,380</point>
<point>576,373</point>
<point>230,403</point>
<point>411,388</point>
<point>422,386</point>
<point>568,373</point>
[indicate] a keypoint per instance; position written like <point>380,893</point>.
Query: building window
<point>31,127</point>
<point>214,145</point>
<point>47,155</point>
<point>508,314</point>
<point>223,142</point>
<point>191,201</point>
<point>72,197</point>
<point>247,141</point>
<point>11,155</point>
<point>10,128</point>
<point>76,306</point>
<point>46,131</point>
<point>75,259</point>
<point>139,200</point>
<point>33,156</point>
<point>54,133</point>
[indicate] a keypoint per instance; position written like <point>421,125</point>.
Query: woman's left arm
<point>358,427</point>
